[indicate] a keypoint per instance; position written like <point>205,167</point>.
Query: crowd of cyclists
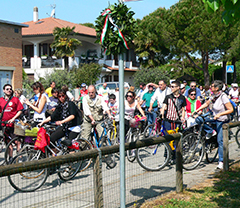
<point>175,102</point>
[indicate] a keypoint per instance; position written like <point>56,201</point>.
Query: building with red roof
<point>38,57</point>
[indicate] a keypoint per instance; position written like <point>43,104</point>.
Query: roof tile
<point>46,26</point>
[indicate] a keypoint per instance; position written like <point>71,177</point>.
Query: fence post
<point>97,180</point>
<point>179,169</point>
<point>225,147</point>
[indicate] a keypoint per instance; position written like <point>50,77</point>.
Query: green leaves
<point>123,18</point>
<point>63,44</point>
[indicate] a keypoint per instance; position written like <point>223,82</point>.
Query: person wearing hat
<point>83,92</point>
<point>233,93</point>
<point>186,85</point>
<point>182,89</point>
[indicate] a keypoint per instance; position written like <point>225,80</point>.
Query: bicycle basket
<point>19,129</point>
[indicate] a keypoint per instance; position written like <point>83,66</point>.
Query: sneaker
<point>220,166</point>
<point>209,135</point>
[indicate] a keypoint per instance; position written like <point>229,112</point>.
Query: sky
<point>76,11</point>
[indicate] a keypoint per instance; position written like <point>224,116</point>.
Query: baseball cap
<point>184,81</point>
<point>83,85</point>
<point>182,86</point>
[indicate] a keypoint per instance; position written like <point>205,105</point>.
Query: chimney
<point>35,14</point>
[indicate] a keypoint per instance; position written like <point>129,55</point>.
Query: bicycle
<point>195,145</point>
<point>155,157</point>
<point>33,180</point>
<point>133,134</point>
<point>103,140</point>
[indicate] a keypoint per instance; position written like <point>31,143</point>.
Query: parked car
<point>112,86</point>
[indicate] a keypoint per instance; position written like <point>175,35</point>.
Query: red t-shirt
<point>11,109</point>
<point>83,93</point>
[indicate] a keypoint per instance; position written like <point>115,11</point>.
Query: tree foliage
<point>153,75</point>
<point>123,18</point>
<point>60,77</point>
<point>64,44</point>
<point>87,73</point>
<point>192,31</point>
<point>231,9</point>
<point>149,42</point>
<point>88,24</point>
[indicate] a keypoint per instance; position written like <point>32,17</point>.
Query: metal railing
<point>97,154</point>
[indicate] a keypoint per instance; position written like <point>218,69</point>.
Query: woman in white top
<point>22,98</point>
<point>40,105</point>
<point>130,106</point>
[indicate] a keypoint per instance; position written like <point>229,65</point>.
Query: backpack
<point>80,114</point>
<point>234,109</point>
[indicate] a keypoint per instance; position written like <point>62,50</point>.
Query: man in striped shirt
<point>175,105</point>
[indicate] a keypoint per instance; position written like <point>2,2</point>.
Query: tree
<point>60,77</point>
<point>231,9</point>
<point>149,42</point>
<point>192,32</point>
<point>153,75</point>
<point>87,73</point>
<point>64,44</point>
<point>88,24</point>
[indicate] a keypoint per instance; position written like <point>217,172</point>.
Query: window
<point>16,30</point>
<point>116,79</point>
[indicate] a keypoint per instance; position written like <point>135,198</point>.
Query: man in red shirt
<point>11,112</point>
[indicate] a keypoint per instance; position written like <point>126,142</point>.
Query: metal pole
<point>122,134</point>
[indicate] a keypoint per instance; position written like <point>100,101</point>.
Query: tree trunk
<point>205,67</point>
<point>224,71</point>
<point>234,72</point>
<point>66,63</point>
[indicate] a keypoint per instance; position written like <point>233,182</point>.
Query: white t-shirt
<point>40,116</point>
<point>104,92</point>
<point>129,111</point>
<point>114,109</point>
<point>22,100</point>
<point>160,95</point>
<point>69,94</point>
<point>234,93</point>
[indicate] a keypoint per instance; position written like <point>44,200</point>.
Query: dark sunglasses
<point>129,96</point>
<point>174,86</point>
<point>59,96</point>
<point>193,94</point>
<point>8,89</point>
<point>193,85</point>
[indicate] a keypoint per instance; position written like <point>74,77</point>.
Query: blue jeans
<point>151,117</point>
<point>208,129</point>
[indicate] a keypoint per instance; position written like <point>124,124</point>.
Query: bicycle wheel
<point>211,149</point>
<point>68,170</point>
<point>2,151</point>
<point>109,158</point>
<point>131,154</point>
<point>33,179</point>
<point>148,131</point>
<point>84,145</point>
<point>193,151</point>
<point>237,137</point>
<point>12,149</point>
<point>154,157</point>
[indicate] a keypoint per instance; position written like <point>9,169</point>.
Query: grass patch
<point>223,190</point>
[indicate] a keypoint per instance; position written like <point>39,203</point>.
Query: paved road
<point>140,186</point>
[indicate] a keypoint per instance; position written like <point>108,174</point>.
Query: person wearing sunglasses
<point>193,85</point>
<point>221,107</point>
<point>94,107</point>
<point>40,106</point>
<point>131,104</point>
<point>53,102</point>
<point>10,109</point>
<point>192,105</point>
<point>66,116</point>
